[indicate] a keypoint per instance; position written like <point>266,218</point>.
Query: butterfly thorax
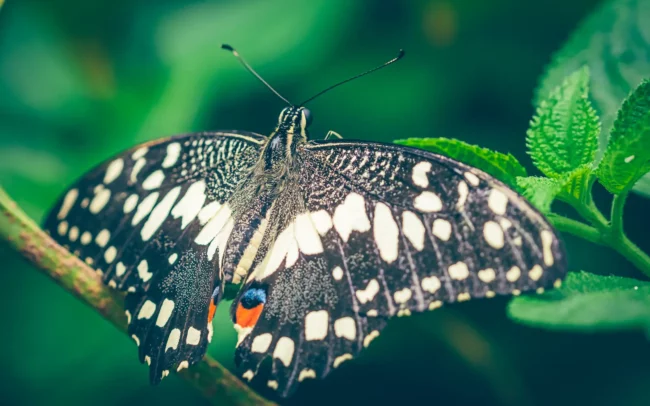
<point>290,132</point>
<point>272,180</point>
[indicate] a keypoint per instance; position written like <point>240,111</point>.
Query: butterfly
<point>328,239</point>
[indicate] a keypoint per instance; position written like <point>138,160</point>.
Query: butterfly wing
<point>150,221</point>
<point>380,231</point>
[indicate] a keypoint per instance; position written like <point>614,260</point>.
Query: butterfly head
<point>295,120</point>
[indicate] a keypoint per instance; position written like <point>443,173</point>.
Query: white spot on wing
<point>173,152</point>
<point>535,273</point>
<point>208,212</point>
<point>102,196</point>
<point>513,274</point>
<point>351,216</point>
<point>420,172</point>
<point>173,340</point>
<point>386,233</point>
<point>182,365</point>
<point>137,167</point>
<point>413,229</point>
<point>458,271</point>
<point>214,226</point>
<point>63,228</point>
<point>159,214</point>
<point>403,296</point>
<point>430,284</point>
<point>261,343</point>
<point>307,236</point>
<point>74,233</point>
<point>154,180</point>
<point>369,293</point>
<point>139,153</point>
<point>337,273</point>
<point>109,254</point>
<point>427,202</point>
<point>147,310</point>
<point>322,221</point>
<point>144,208</point>
<point>190,204</point>
<point>547,241</point>
<point>306,373</point>
<point>493,234</point>
<point>86,238</point>
<point>102,238</point>
<point>130,203</point>
<point>165,313</point>
<point>497,202</point>
<point>113,170</point>
<point>172,258</point>
<point>463,192</point>
<point>284,350</point>
<point>143,271</point>
<point>285,246</point>
<point>471,178</point>
<point>316,325</point>
<point>119,269</point>
<point>441,229</point>
<point>68,202</point>
<point>487,275</point>
<point>341,359</point>
<point>345,327</point>
<point>193,336</point>
<point>371,336</point>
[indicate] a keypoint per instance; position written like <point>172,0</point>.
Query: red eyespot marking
<point>248,317</point>
<point>213,308</point>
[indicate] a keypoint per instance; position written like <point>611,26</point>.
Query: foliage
<point>588,302</point>
<point>613,42</point>
<point>562,141</point>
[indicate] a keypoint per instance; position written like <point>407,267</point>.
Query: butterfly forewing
<point>147,221</point>
<point>380,231</point>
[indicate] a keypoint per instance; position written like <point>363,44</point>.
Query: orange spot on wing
<point>248,317</point>
<point>213,308</point>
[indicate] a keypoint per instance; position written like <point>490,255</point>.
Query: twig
<point>209,377</point>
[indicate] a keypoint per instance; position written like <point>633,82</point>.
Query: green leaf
<point>563,134</point>
<point>539,191</point>
<point>613,42</point>
<point>627,157</point>
<point>504,167</point>
<point>587,302</point>
<point>576,184</point>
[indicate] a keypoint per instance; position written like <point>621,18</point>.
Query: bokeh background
<point>82,80</point>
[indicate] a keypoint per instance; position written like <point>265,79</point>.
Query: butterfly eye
<point>307,116</point>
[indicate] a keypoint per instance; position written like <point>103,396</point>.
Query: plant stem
<point>617,214</point>
<point>209,377</point>
<point>576,228</point>
<point>631,252</point>
<point>602,231</point>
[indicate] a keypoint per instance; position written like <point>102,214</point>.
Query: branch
<point>210,378</point>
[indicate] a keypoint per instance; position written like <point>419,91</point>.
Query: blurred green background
<point>80,81</point>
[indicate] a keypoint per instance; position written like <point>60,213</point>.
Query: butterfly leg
<point>331,134</point>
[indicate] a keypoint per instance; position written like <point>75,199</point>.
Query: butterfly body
<point>328,240</point>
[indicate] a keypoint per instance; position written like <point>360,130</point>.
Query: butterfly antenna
<point>251,70</point>
<point>383,65</point>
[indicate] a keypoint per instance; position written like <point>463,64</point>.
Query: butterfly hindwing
<point>380,231</point>
<point>151,221</point>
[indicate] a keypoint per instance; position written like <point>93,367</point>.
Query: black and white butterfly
<point>328,239</point>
